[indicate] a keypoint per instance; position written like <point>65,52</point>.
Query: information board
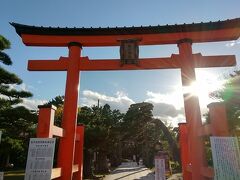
<point>1,175</point>
<point>40,159</point>
<point>226,158</point>
<point>159,168</point>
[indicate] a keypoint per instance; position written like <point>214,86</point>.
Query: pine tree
<point>9,96</point>
<point>16,122</point>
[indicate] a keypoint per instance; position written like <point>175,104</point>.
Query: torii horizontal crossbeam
<point>144,64</point>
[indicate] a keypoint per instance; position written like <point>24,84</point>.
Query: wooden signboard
<point>129,51</point>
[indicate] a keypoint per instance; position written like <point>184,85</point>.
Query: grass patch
<point>14,175</point>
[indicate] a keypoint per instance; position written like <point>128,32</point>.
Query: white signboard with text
<point>40,159</point>
<point>1,175</point>
<point>226,158</point>
<point>159,168</point>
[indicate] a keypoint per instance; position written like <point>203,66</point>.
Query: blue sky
<point>119,88</point>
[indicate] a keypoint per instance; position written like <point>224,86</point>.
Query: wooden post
<point>192,110</point>
<point>67,143</point>
<point>218,119</point>
<point>78,158</point>
<point>45,121</point>
<point>184,150</point>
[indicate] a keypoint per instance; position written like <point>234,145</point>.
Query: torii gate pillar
<point>192,111</point>
<point>69,121</point>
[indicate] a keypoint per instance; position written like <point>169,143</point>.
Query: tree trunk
<point>172,143</point>
<point>102,163</point>
<point>87,168</point>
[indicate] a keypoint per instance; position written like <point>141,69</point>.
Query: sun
<point>205,84</point>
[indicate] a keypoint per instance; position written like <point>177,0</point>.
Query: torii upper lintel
<point>150,35</point>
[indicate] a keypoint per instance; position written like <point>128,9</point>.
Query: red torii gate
<point>77,38</point>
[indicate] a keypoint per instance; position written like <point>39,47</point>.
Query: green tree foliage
<point>102,137</point>
<point>230,94</point>
<point>109,134</point>
<point>138,132</point>
<point>18,125</point>
<point>170,137</point>
<point>4,44</point>
<point>9,96</point>
<point>58,102</point>
<point>16,122</point>
<point>141,133</point>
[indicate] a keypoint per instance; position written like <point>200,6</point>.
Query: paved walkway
<point>130,171</point>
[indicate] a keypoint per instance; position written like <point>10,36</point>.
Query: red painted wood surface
<point>146,39</point>
<point>78,158</point>
<point>176,61</point>
<point>192,113</point>
<point>69,122</point>
<point>45,121</point>
<point>184,150</point>
<point>218,119</point>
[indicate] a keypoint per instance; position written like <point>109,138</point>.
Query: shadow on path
<point>149,176</point>
<point>130,171</point>
<point>123,177</point>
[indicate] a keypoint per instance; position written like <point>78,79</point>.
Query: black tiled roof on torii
<point>194,27</point>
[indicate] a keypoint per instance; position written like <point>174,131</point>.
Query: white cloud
<point>29,103</point>
<point>166,104</point>
<point>120,101</point>
<point>172,121</point>
<point>21,87</point>
<point>166,110</point>
<point>167,107</point>
<point>32,103</point>
<point>174,98</point>
<point>232,43</point>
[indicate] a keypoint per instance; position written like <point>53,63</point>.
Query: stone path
<point>130,171</point>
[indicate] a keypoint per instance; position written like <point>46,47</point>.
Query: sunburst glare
<point>204,86</point>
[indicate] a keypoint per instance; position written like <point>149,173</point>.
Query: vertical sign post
<point>0,136</point>
<point>226,157</point>
<point>1,175</point>
<point>40,159</point>
<point>159,168</point>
